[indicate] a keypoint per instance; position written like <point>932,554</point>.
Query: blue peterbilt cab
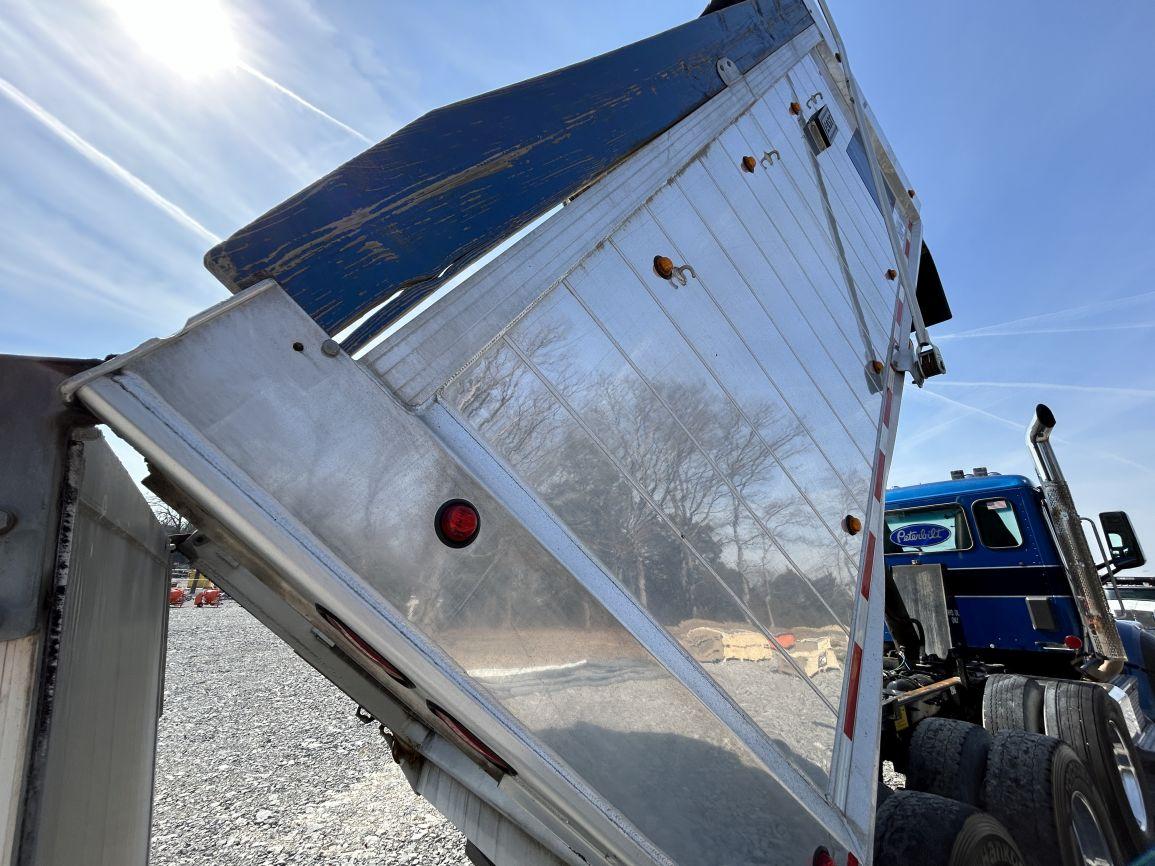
<point>993,569</point>
<point>1005,584</point>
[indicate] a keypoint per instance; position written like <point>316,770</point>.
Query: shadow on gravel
<point>726,811</point>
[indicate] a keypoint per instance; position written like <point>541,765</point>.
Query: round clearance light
<point>851,525</point>
<point>457,523</point>
<point>822,857</point>
<point>1073,641</point>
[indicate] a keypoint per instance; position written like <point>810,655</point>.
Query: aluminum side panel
<point>90,792</point>
<point>329,481</point>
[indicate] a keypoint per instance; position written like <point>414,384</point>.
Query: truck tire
<point>1012,703</point>
<point>913,827</point>
<point>1086,718</point>
<point>948,757</point>
<point>1039,789</point>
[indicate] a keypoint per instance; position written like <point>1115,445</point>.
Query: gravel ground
<point>261,761</point>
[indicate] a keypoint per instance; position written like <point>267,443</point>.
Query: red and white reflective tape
<point>852,692</point>
<point>870,548</point>
<point>868,565</point>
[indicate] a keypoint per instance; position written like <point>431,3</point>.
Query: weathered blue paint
<point>447,187</point>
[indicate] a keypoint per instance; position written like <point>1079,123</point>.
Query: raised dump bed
<point>588,524</point>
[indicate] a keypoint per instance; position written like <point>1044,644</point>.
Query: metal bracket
<point>679,276</point>
<point>906,361</point>
<point>921,363</point>
<point>728,71</point>
<point>769,156</point>
<point>814,99</point>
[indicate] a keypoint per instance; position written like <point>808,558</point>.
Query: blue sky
<point>1024,127</point>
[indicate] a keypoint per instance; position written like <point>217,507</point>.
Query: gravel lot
<point>261,761</point>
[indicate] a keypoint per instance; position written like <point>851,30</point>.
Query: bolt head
<point>331,348</point>
<point>7,521</point>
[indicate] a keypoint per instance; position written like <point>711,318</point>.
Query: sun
<point>193,37</point>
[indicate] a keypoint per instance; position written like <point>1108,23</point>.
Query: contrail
<point>1053,386</point>
<point>1022,427</point>
<point>103,161</point>
<point>990,331</point>
<point>1098,307</point>
<point>300,100</point>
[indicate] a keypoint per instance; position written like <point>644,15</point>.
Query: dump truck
<point>554,430</point>
<point>999,587</point>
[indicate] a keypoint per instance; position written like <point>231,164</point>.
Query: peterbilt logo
<point>920,535</point>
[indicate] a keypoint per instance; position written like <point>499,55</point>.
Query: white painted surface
<point>17,667</point>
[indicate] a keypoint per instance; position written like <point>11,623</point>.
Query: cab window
<point>997,524</point>
<point>938,529</point>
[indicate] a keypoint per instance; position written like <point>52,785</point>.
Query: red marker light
<point>457,523</point>
<point>822,857</point>
<point>1073,641</point>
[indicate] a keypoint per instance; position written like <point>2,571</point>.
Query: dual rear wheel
<point>1054,771</point>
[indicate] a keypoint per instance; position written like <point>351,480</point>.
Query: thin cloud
<point>300,100</point>
<point>1013,325</point>
<point>1052,386</point>
<point>1030,332</point>
<point>103,161</point>
<point>1022,427</point>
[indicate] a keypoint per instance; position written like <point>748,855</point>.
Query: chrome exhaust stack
<point>1073,548</point>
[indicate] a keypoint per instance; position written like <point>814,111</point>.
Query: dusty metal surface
<point>88,794</point>
<point>35,427</point>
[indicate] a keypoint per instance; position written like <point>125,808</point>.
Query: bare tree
<point>173,521</point>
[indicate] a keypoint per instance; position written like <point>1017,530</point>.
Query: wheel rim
<point>1125,766</point>
<point>1090,843</point>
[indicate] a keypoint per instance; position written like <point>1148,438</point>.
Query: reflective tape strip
<point>879,474</point>
<point>868,565</point>
<point>852,692</point>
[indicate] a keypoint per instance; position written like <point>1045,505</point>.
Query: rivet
<point>891,273</point>
<point>749,163</point>
<point>331,348</point>
<point>663,267</point>
<point>7,522</point>
<point>851,524</point>
<point>795,108</point>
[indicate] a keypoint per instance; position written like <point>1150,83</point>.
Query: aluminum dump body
<point>670,401</point>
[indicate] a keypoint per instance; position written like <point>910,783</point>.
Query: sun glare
<point>194,37</point>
